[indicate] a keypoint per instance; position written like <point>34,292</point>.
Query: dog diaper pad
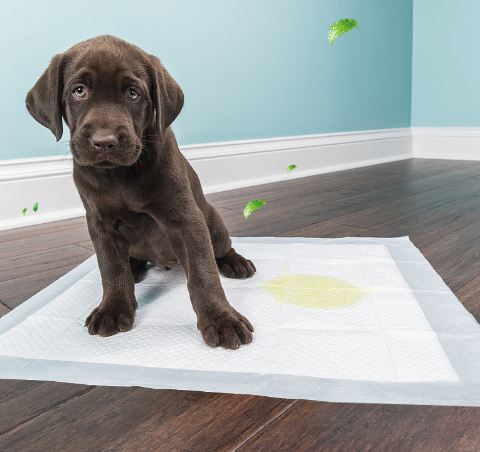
<point>346,320</point>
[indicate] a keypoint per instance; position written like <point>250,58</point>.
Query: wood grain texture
<point>439,221</point>
<point>283,215</point>
<point>26,264</point>
<point>4,309</point>
<point>41,229</point>
<point>21,289</point>
<point>23,401</point>
<point>32,244</point>
<point>435,202</point>
<point>327,181</point>
<point>469,294</point>
<point>381,194</point>
<point>86,244</point>
<point>340,427</point>
<point>397,209</point>
<point>416,176</point>
<point>283,195</point>
<point>456,257</point>
<point>125,419</point>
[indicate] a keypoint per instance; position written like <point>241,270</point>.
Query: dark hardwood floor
<point>435,202</point>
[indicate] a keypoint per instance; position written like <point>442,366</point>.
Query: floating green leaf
<point>24,211</point>
<point>35,207</point>
<point>340,27</point>
<point>253,205</point>
<point>290,168</point>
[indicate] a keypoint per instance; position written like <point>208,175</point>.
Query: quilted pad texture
<point>335,319</point>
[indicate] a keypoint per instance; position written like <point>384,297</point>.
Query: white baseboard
<point>231,165</point>
<point>220,166</point>
<point>449,143</point>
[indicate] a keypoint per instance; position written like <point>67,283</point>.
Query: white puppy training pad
<point>341,320</point>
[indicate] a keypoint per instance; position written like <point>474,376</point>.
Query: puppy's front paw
<point>109,322</point>
<point>228,330</point>
<point>233,265</point>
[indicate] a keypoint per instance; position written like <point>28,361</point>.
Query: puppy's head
<point>109,93</point>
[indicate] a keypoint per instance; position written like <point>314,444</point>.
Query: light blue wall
<point>446,63</point>
<point>249,68</point>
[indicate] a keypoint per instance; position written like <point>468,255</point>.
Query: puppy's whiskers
<point>61,146</point>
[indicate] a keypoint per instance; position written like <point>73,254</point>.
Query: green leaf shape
<point>290,168</point>
<point>252,206</point>
<point>340,27</point>
<point>24,211</point>
<point>35,207</point>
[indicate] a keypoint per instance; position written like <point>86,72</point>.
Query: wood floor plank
<point>86,244</point>
<point>362,179</point>
<point>15,291</point>
<point>45,241</point>
<point>340,427</point>
<point>468,294</point>
<point>27,264</point>
<point>26,400</point>
<point>327,229</point>
<point>456,256</point>
<point>412,175</point>
<point>280,218</point>
<point>334,180</point>
<point>426,227</point>
<point>422,228</point>
<point>254,429</point>
<point>416,164</point>
<point>126,419</point>
<point>398,191</point>
<point>4,310</point>
<point>285,206</point>
<point>11,389</point>
<point>40,229</point>
<point>320,196</point>
<point>222,209</point>
<point>399,209</point>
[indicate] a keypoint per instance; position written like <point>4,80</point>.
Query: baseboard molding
<point>449,143</point>
<point>220,166</point>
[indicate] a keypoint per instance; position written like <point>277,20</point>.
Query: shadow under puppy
<point>143,200</point>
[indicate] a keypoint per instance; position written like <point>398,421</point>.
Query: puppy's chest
<point>120,219</point>
<point>113,195</point>
<point>120,209</point>
<point>133,226</point>
<point>124,214</point>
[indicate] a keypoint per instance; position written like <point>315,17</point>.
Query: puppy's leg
<point>229,262</point>
<point>219,323</point>
<point>116,312</point>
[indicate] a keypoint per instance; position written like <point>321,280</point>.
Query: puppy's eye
<point>132,94</point>
<point>79,92</point>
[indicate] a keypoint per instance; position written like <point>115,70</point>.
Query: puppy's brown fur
<point>144,201</point>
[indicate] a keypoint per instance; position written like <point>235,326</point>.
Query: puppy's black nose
<point>105,143</point>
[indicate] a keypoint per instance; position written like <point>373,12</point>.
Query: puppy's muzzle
<point>104,145</point>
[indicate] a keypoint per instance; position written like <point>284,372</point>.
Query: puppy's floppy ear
<point>167,96</point>
<point>44,100</point>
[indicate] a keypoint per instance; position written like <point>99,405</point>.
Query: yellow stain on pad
<point>315,291</point>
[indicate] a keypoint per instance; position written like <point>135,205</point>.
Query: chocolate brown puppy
<point>144,201</point>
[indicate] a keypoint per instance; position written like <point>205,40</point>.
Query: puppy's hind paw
<point>233,265</point>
